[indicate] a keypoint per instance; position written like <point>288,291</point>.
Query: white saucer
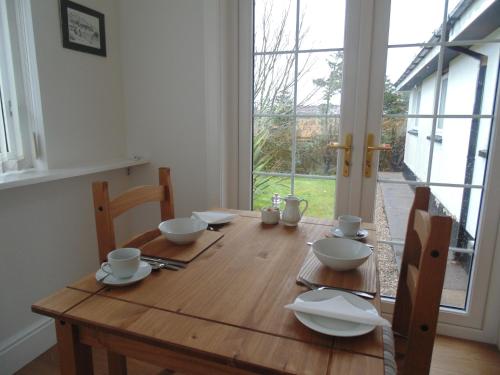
<point>334,327</point>
<point>143,272</point>
<point>362,233</point>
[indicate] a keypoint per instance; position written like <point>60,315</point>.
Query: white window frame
<point>20,69</point>
<point>11,148</point>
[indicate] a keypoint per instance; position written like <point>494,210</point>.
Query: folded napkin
<point>214,217</point>
<point>338,308</point>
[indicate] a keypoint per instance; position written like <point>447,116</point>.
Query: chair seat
<point>390,367</point>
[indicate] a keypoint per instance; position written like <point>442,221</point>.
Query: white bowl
<point>183,230</point>
<point>341,254</point>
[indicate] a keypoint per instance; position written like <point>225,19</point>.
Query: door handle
<point>347,147</point>
<point>370,148</point>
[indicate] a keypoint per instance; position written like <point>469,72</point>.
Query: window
<point>298,67</point>
<point>14,153</point>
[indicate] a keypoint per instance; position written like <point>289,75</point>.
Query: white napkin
<point>214,217</point>
<point>338,308</point>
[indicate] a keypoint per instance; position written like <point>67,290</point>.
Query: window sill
<point>27,177</point>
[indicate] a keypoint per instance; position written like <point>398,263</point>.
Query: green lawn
<point>319,193</point>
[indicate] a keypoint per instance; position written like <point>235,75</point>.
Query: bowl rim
<point>370,251</point>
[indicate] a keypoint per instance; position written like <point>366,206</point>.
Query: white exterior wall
<point>450,156</point>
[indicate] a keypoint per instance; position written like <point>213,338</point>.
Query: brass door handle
<point>370,147</point>
<point>347,147</point>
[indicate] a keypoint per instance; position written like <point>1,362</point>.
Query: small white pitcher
<point>291,213</point>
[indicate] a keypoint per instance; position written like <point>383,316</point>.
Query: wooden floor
<point>451,356</point>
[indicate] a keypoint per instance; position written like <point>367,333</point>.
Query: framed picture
<point>82,28</point>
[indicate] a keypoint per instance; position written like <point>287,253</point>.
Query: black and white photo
<point>82,28</point>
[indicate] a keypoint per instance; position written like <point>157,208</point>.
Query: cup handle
<point>103,268</point>
<point>305,208</point>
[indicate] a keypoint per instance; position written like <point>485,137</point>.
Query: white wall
<point>48,241</point>
<point>47,230</point>
<point>81,93</point>
<point>163,60</point>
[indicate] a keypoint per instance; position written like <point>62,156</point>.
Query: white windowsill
<point>26,177</point>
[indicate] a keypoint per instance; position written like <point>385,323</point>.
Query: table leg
<point>117,364</point>
<point>75,358</point>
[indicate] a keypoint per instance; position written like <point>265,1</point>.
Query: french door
<point>420,77</point>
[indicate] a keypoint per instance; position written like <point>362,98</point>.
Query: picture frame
<point>83,29</point>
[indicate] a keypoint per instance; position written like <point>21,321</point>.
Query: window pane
<point>274,84</point>
<point>274,22</point>
<point>408,160</point>
<point>320,83</point>
<point>407,76</point>
<point>314,156</point>
<point>265,186</point>
<point>414,21</point>
<point>323,24</point>
<point>460,147</point>
<point>272,144</point>
<point>472,79</point>
<point>393,204</point>
<point>320,195</point>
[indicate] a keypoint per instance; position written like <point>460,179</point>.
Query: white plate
<point>143,272</point>
<point>215,217</point>
<point>334,327</point>
<point>362,233</point>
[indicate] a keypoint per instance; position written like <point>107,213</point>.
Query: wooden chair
<point>107,210</point>
<point>419,289</point>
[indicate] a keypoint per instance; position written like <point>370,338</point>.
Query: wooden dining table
<point>223,314</point>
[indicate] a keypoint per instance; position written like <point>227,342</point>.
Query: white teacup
<point>270,215</point>
<point>349,225</point>
<point>122,263</point>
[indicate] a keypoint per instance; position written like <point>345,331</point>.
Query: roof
<point>481,26</point>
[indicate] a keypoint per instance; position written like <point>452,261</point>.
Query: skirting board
<point>22,348</point>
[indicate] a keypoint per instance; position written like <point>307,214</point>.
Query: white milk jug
<point>292,214</point>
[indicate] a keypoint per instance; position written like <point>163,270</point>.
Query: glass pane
<point>320,83</point>
<point>274,84</point>
<point>320,195</point>
<point>313,154</point>
<point>393,202</point>
<point>409,157</point>
<point>274,25</point>
<point>472,79</point>
<point>407,76</point>
<point>265,186</point>
<point>272,144</point>
<point>460,148</point>
<point>322,24</point>
<point>414,21</point>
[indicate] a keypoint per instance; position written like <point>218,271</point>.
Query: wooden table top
<point>227,305</point>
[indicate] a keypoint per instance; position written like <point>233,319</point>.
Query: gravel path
<point>388,268</point>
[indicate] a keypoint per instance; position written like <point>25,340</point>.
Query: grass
<point>320,194</point>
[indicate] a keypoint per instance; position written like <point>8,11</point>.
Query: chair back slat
<point>135,197</point>
<point>411,282</point>
<point>106,210</point>
<point>411,255</point>
<point>422,226</point>
<point>421,282</point>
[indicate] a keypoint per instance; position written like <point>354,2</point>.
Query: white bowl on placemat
<point>183,230</point>
<point>341,254</point>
